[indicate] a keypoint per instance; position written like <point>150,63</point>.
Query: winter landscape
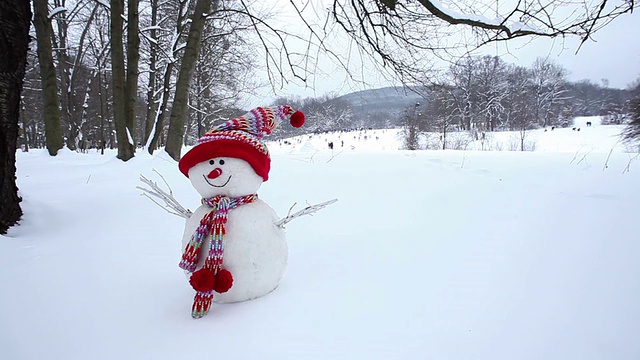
<point>427,254</point>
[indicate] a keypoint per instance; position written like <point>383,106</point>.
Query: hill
<point>381,107</point>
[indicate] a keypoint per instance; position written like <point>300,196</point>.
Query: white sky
<point>614,54</point>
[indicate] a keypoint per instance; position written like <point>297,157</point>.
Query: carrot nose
<point>215,173</point>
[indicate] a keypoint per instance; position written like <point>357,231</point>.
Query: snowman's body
<point>255,249</point>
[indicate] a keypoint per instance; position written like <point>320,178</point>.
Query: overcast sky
<point>613,55</point>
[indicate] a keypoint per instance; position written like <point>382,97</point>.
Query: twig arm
<point>156,194</point>
<point>309,210</point>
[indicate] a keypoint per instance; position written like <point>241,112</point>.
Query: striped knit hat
<point>241,138</point>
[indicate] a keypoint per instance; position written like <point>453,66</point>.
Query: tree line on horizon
<point>73,84</point>
<point>484,94</point>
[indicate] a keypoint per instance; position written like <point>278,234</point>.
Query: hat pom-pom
<point>224,281</point>
<point>297,119</point>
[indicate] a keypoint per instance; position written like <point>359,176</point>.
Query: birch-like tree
<point>165,41</point>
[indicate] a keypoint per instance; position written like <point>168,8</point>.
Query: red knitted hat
<point>241,137</point>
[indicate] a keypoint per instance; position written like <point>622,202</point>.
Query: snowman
<point>233,250</point>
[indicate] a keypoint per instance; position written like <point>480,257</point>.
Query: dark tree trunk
<point>133,58</point>
<point>53,132</point>
<point>179,111</point>
<point>15,16</point>
<point>157,133</point>
<point>151,87</point>
<point>25,133</point>
<point>156,130</point>
<point>125,147</point>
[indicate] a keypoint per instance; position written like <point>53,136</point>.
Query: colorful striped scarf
<point>211,277</point>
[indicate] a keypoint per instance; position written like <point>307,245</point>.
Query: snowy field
<point>427,255</point>
<point>589,139</point>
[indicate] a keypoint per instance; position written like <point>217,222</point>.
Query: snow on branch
<point>149,28</point>
<point>397,33</point>
<point>156,194</point>
<point>56,11</point>
<point>309,210</point>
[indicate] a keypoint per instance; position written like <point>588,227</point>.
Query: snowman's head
<point>238,144</point>
<point>226,176</point>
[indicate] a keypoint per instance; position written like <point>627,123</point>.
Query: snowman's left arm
<point>309,210</point>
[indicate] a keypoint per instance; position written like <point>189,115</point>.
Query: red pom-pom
<point>224,281</point>
<point>202,280</point>
<point>297,119</point>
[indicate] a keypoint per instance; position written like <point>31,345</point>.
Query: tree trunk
<point>101,94</point>
<point>64,72</point>
<point>125,148</point>
<point>179,110</point>
<point>53,132</point>
<point>74,114</point>
<point>444,137</point>
<point>15,16</point>
<point>157,133</point>
<point>153,55</point>
<point>161,112</point>
<point>25,133</point>
<point>199,118</point>
<point>133,57</point>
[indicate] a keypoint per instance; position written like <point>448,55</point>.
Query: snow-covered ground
<point>426,255</point>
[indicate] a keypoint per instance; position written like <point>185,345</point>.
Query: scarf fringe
<point>201,304</point>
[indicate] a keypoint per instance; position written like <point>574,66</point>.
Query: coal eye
<point>221,162</point>
<point>212,162</point>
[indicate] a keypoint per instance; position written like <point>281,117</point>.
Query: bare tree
<point>492,89</point>
<point>42,24</point>
<point>461,76</point>
<point>133,57</point>
<point>152,40</point>
<point>124,132</point>
<point>189,59</point>
<point>548,81</point>
<point>632,131</point>
<point>223,72</point>
<point>15,16</point>
<point>170,59</point>
<point>520,101</point>
<point>441,112</point>
<point>412,127</point>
